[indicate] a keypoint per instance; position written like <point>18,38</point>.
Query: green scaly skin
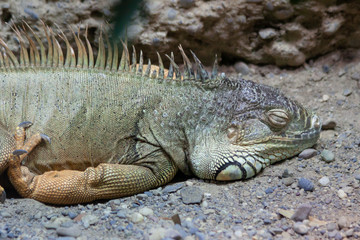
<point>116,132</point>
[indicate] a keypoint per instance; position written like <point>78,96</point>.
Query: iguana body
<point>118,129</point>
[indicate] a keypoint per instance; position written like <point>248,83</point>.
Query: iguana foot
<point>2,195</point>
<point>17,175</point>
<point>31,143</point>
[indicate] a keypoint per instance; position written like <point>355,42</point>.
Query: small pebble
<point>173,188</point>
<point>327,156</point>
<point>341,72</point>
<point>308,153</point>
<point>328,125</point>
<point>357,176</point>
<point>136,217</point>
<point>73,231</point>
<point>325,98</point>
<point>288,181</point>
<point>355,76</point>
<point>300,228</point>
<point>332,226</point>
<point>191,195</point>
<point>186,3</point>
<point>305,184</point>
<point>349,232</point>
<point>341,194</point>
<point>145,211</point>
<point>326,68</point>
<point>343,222</point>
<point>347,92</point>
<point>324,181</point>
<point>5,214</point>
<point>302,212</point>
<point>241,67</point>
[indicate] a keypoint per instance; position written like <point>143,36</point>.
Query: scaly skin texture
<point>116,133</point>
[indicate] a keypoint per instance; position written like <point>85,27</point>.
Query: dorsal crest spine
<point>107,56</point>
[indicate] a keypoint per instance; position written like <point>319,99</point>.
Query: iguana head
<point>253,126</point>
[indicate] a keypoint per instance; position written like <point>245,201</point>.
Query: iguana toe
<point>25,124</point>
<point>2,196</point>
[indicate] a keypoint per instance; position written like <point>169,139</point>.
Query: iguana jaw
<point>223,161</point>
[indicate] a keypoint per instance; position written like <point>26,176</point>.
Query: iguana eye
<point>277,118</point>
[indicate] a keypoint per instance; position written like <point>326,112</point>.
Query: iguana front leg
<point>102,182</point>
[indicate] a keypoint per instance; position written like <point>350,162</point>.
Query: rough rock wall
<point>281,32</point>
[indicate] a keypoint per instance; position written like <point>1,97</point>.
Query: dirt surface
<point>285,33</point>
<point>260,207</point>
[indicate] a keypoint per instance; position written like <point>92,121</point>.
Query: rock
<point>172,234</point>
<point>286,174</point>
<point>330,27</point>
<point>89,219</point>
<point>325,98</point>
<point>191,195</point>
<point>328,125</point>
<point>332,226</point>
<point>172,14</point>
<point>5,214</point>
<point>357,176</point>
<point>157,233</point>
<point>136,217</point>
<point>186,3</point>
<point>324,181</point>
<point>173,188</point>
<point>327,156</point>
<point>241,67</point>
<point>308,153</point>
<point>343,222</point>
<point>286,54</point>
<point>288,181</point>
<point>145,211</point>
<point>73,231</point>
<point>305,184</point>
<point>341,194</point>
<point>121,214</point>
<point>347,92</point>
<point>302,212</point>
<point>55,223</point>
<point>300,228</point>
<point>349,232</point>
<point>326,68</point>
<point>31,13</point>
<point>355,76</point>
<point>341,72</point>
<point>267,33</point>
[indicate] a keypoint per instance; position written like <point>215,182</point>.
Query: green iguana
<point>120,127</point>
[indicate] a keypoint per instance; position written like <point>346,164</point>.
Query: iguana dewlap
<point>119,128</point>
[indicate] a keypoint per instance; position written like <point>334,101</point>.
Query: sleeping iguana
<point>120,127</point>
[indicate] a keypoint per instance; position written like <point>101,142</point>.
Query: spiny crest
<point>107,57</point>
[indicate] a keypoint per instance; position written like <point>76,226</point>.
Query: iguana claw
<point>45,138</point>
<point>19,152</point>
<point>25,124</point>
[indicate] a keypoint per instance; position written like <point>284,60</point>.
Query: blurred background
<point>284,33</point>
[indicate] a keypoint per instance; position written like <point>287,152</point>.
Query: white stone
<point>324,181</point>
<point>145,211</point>
<point>342,194</point>
<point>136,217</point>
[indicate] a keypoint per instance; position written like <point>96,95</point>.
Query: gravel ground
<point>313,196</point>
